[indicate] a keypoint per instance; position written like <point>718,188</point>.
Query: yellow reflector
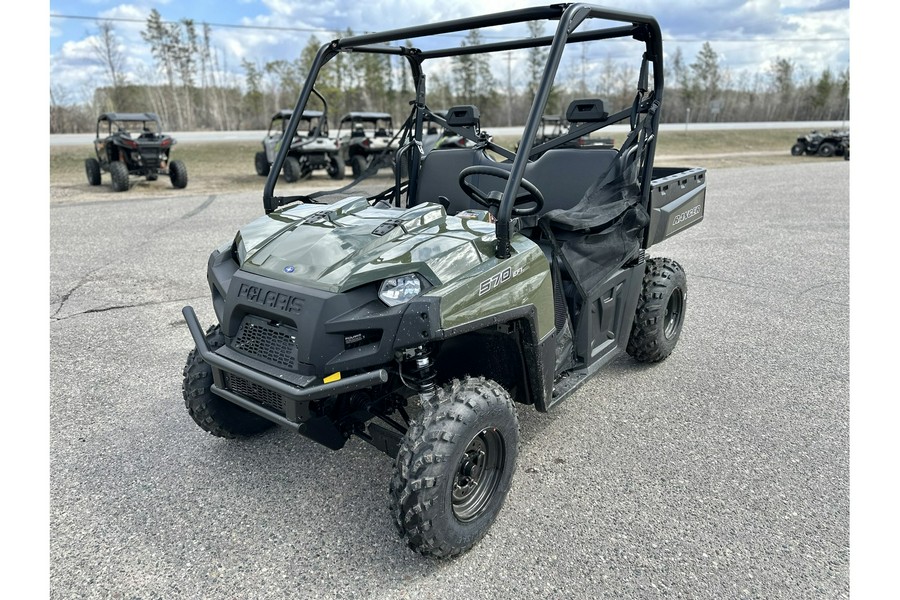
<point>333,377</point>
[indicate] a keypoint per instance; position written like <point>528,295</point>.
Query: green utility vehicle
<point>418,317</point>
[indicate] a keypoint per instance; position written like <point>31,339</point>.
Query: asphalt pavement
<point>721,472</point>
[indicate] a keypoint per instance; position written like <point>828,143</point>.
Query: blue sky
<point>747,34</point>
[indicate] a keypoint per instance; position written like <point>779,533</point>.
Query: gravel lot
<point>720,473</point>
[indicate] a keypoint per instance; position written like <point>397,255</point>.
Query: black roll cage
<point>569,16</point>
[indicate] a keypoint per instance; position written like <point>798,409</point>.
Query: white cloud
<point>758,22</point>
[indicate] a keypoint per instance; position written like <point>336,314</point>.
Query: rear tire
<point>660,311</point>
<point>213,414</point>
<point>118,172</point>
<point>178,174</point>
<point>826,149</point>
<point>336,167</point>
<point>262,164</point>
<point>454,468</point>
<point>797,149</point>
<point>358,164</point>
<point>291,169</point>
<point>92,168</point>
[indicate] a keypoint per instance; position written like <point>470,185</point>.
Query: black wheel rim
<point>674,313</point>
<point>478,474</point>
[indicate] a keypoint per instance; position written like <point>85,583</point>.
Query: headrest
<point>586,111</point>
<point>464,116</point>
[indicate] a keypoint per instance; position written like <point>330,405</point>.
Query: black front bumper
<point>294,397</point>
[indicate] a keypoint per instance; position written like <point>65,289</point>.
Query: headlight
<point>397,290</point>
<point>238,252</point>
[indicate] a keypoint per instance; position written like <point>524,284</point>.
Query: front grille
<point>274,344</point>
<point>256,392</point>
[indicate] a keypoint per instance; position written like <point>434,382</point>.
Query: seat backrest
<point>562,175</point>
<point>439,176</point>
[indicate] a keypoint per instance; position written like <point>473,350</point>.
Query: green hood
<point>336,247</point>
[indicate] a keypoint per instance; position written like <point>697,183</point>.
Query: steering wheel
<point>491,199</point>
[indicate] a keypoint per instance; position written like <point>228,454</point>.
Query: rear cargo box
<point>677,201</point>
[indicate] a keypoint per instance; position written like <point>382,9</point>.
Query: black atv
<point>310,149</point>
<point>835,143</point>
<point>485,280</point>
<point>133,144</point>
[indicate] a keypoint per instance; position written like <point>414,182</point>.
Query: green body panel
<point>527,282</point>
<point>340,246</point>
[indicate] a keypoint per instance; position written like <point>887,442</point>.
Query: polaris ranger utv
<point>416,318</point>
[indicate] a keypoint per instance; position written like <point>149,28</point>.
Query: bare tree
<point>109,55</point>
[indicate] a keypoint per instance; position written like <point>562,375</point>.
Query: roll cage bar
<point>569,16</point>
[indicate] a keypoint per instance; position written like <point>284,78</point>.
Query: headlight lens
<point>397,290</point>
<point>238,252</point>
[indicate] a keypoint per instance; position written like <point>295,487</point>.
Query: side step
<point>570,381</point>
<point>567,385</point>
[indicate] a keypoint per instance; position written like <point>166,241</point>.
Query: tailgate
<point>677,201</point>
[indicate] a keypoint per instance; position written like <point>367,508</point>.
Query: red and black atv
<point>133,144</point>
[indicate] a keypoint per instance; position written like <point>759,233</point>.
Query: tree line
<point>188,90</point>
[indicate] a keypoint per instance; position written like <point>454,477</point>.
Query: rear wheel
<point>660,311</point>
<point>212,413</point>
<point>336,166</point>
<point>358,164</point>
<point>454,468</point>
<point>826,149</point>
<point>178,174</point>
<point>118,172</point>
<point>291,169</point>
<point>262,164</point>
<point>92,168</point>
<point>798,149</point>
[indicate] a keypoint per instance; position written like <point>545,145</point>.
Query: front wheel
<point>660,311</point>
<point>213,414</point>
<point>454,468</point>
<point>178,174</point>
<point>797,149</point>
